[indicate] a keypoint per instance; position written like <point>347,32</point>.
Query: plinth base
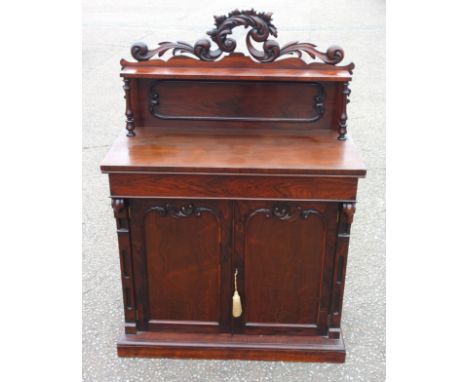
<point>232,346</point>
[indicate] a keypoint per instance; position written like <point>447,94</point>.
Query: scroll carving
<point>287,212</point>
<point>260,28</point>
<point>181,212</point>
<point>189,210</point>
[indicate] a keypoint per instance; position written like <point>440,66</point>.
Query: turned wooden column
<point>343,124</point>
<point>130,123</point>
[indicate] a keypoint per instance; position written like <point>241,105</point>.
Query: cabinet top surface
<point>218,151</point>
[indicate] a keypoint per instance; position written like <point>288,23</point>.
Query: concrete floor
<point>109,28</point>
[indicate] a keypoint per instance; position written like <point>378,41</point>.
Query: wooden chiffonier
<point>234,189</point>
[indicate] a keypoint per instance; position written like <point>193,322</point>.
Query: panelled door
<point>181,256</point>
<point>186,254</point>
<point>284,254</point>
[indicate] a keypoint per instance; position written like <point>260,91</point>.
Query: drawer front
<point>233,187</point>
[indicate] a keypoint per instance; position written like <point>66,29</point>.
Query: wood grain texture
<point>215,151</point>
<point>285,250</point>
<point>235,67</point>
<point>255,101</point>
<point>181,252</point>
<point>232,186</point>
<point>236,105</point>
<point>227,346</point>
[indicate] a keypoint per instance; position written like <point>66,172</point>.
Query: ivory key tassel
<point>236,300</point>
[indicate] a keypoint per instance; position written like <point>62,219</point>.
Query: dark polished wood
<point>261,27</point>
<point>213,100</point>
<point>234,189</point>
<point>181,249</point>
<point>237,67</point>
<point>130,125</point>
<point>121,214</point>
<point>232,186</point>
<point>219,151</point>
<point>287,293</point>
<point>232,346</point>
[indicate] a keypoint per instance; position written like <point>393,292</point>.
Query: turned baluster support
<point>343,124</point>
<point>130,123</point>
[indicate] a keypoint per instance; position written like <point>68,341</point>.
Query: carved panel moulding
<point>317,98</point>
<point>287,213</point>
<point>183,211</point>
<point>261,27</point>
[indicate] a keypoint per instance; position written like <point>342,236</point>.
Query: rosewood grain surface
<point>235,67</point>
<point>220,151</point>
<point>181,254</point>
<point>252,105</point>
<point>227,346</point>
<point>284,251</point>
<point>255,101</point>
<point>232,186</point>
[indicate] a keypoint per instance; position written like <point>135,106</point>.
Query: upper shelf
<point>236,67</point>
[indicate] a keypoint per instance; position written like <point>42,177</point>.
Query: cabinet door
<point>284,252</point>
<point>181,257</point>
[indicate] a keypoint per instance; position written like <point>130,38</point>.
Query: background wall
<point>109,29</point>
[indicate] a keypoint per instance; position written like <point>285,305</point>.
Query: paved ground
<point>110,26</point>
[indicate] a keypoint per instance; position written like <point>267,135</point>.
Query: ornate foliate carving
<point>287,212</point>
<point>182,211</point>
<point>261,27</point>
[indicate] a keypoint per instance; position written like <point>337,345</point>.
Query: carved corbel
<point>121,215</point>
<point>345,219</point>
